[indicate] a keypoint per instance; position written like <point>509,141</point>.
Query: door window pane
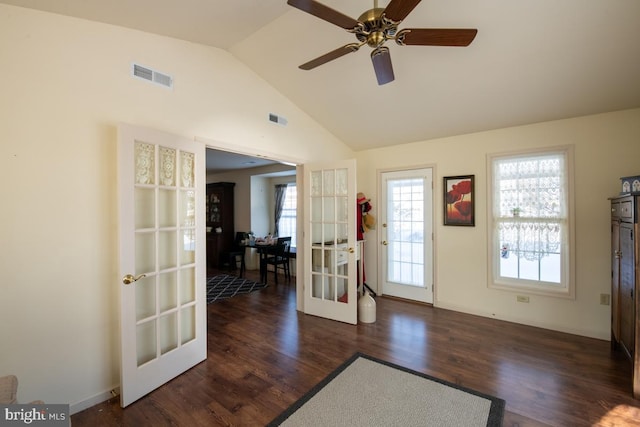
<point>405,217</point>
<point>144,159</point>
<point>144,208</point>
<point>167,166</point>
<point>145,297</point>
<point>145,252</point>
<point>168,332</point>
<point>168,291</point>
<point>167,209</point>
<point>187,324</point>
<point>146,342</point>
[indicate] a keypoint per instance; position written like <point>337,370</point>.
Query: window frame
<point>567,283</point>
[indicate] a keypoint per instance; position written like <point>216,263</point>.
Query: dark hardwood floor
<point>263,355</point>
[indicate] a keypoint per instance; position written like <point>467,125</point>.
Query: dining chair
<point>279,257</point>
<point>237,252</point>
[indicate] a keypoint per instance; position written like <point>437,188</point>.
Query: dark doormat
<point>224,286</point>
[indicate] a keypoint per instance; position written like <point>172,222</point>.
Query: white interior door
<point>407,234</point>
<point>330,288</point>
<point>162,258</point>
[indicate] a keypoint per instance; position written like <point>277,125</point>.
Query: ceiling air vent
<point>153,76</point>
<point>277,119</point>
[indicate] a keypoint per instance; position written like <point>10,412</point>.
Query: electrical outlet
<point>605,299</point>
<point>521,298</point>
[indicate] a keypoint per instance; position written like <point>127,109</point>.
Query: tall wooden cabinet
<point>219,221</point>
<point>625,283</point>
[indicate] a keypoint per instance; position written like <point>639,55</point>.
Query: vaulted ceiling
<point>531,61</point>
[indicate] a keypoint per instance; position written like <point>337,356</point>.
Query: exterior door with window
<point>330,288</point>
<point>162,258</point>
<point>407,234</point>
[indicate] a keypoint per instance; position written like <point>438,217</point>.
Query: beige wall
<point>607,147</point>
<point>65,84</point>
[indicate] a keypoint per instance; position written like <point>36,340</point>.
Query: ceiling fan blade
<point>436,36</point>
<point>324,12</point>
<point>334,54</point>
<point>382,65</point>
<point>397,10</point>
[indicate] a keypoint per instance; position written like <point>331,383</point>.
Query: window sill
<point>535,289</point>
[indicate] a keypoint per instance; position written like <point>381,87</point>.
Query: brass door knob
<point>384,242</point>
<point>130,278</point>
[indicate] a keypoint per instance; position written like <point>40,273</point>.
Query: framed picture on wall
<point>459,200</point>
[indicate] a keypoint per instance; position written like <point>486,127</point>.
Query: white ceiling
<point>532,60</point>
<point>224,161</point>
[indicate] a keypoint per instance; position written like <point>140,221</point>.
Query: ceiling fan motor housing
<point>375,29</point>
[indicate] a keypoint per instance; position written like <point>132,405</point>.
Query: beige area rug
<point>366,391</point>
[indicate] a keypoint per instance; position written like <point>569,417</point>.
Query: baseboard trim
<point>526,322</point>
<point>410,301</point>
<point>74,408</point>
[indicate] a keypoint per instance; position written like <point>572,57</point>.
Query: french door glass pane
<point>144,158</point>
<point>168,291</point>
<point>167,166</point>
<point>145,205</point>
<point>188,324</point>
<point>169,332</point>
<point>167,256</point>
<point>146,342</point>
<point>145,252</point>
<point>167,212</point>
<point>145,298</point>
<point>187,285</point>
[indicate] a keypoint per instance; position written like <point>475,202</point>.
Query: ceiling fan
<point>374,27</point>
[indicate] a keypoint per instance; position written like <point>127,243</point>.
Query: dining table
<point>264,249</point>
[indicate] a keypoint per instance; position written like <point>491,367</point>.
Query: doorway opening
<point>255,180</point>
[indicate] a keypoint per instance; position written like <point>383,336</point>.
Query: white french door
<point>162,258</point>
<point>407,234</point>
<point>330,286</point>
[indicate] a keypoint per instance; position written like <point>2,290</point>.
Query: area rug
<point>224,286</point>
<point>365,391</point>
